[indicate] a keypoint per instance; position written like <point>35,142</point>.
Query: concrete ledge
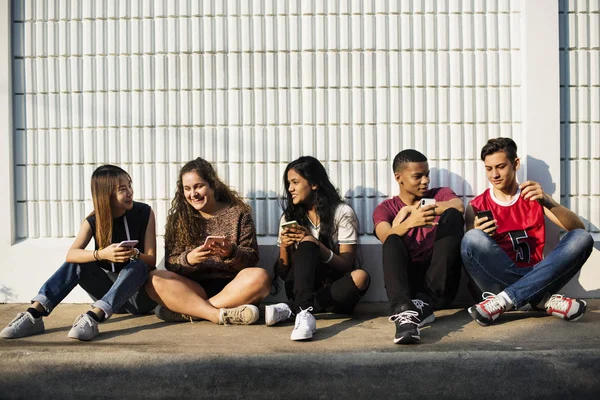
<point>525,355</point>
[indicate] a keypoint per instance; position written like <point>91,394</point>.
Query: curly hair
<point>326,197</point>
<point>405,157</point>
<point>184,223</point>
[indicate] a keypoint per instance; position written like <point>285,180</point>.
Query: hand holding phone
<point>485,222</point>
<point>213,239</point>
<point>128,243</point>
<point>427,202</point>
<point>290,224</point>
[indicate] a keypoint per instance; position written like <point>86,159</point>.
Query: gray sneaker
<point>242,315</point>
<point>167,315</point>
<point>84,328</point>
<point>23,325</point>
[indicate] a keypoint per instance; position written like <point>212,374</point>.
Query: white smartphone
<point>213,239</point>
<point>128,243</point>
<point>427,202</point>
<point>291,224</point>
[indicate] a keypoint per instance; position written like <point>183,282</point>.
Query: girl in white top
<point>318,238</point>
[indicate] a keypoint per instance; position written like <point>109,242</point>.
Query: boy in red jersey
<point>504,255</point>
<point>421,246</point>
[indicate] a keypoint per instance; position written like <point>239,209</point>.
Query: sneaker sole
<point>22,336</point>
<point>409,339</point>
<point>581,314</point>
<point>475,315</point>
<point>309,335</point>
<point>73,336</point>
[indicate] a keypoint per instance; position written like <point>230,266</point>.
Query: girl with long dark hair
<point>111,274</point>
<point>210,254</point>
<point>318,238</point>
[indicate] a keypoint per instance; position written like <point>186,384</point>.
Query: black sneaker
<point>426,315</point>
<point>407,327</point>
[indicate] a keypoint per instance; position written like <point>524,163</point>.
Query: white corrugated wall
<point>250,86</point>
<point>580,109</point>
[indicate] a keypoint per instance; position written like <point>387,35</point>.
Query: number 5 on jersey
<point>520,246</point>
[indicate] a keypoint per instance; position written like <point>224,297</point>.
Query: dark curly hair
<point>326,198</point>
<point>184,223</point>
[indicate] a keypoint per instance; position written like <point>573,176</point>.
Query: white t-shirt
<point>345,225</point>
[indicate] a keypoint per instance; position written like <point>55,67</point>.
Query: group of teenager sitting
<point>211,251</point>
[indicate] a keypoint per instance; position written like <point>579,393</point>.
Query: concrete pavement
<point>525,355</point>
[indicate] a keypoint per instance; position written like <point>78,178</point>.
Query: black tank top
<point>137,222</point>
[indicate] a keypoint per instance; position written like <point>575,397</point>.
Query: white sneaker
<point>84,328</point>
<point>23,325</point>
<point>306,325</point>
<point>277,313</point>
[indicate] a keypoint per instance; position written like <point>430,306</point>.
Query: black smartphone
<point>485,213</point>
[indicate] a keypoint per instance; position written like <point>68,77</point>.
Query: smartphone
<point>291,224</point>
<point>213,239</point>
<point>485,213</point>
<point>427,202</point>
<point>128,243</point>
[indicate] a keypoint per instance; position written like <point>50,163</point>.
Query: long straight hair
<point>184,222</point>
<point>105,181</point>
<point>326,198</point>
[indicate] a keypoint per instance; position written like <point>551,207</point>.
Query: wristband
<point>330,257</point>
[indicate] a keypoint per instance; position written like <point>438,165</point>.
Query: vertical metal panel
<point>252,85</point>
<point>580,104</point>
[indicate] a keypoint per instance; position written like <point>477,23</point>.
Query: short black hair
<point>407,156</point>
<point>507,145</point>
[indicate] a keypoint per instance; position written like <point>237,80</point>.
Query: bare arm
<point>149,254</point>
<point>558,214</point>
<point>77,252</point>
<point>453,203</point>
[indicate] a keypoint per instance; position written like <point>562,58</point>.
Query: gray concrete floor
<point>524,355</point>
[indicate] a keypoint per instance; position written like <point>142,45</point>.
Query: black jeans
<point>311,283</point>
<point>435,282</point>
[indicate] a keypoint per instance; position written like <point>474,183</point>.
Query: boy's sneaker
<point>486,312</point>
<point>565,307</point>
<point>277,313</point>
<point>243,315</point>
<point>84,328</point>
<point>426,315</point>
<point>306,325</point>
<point>167,315</point>
<point>23,325</point>
<point>407,327</point>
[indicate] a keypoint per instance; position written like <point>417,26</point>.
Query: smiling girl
<point>112,275</point>
<point>218,280</point>
<point>317,255</point>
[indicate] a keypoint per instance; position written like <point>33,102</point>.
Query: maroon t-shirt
<point>418,241</point>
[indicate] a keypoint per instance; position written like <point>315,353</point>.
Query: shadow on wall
<point>7,295</point>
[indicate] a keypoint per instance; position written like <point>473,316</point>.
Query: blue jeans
<point>493,271</point>
<point>125,294</point>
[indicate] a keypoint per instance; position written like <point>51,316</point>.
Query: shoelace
<point>283,311</point>
<point>235,316</point>
<point>494,303</point>
<point>20,317</point>
<point>406,317</point>
<point>303,314</point>
<point>558,302</point>
<point>81,322</point>
<point>419,304</point>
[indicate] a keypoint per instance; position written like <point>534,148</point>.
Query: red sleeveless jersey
<point>521,229</point>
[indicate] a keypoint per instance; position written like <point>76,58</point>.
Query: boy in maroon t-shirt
<point>421,246</point>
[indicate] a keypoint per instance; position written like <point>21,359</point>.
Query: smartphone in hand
<point>485,213</point>
<point>128,243</point>
<point>427,202</point>
<point>213,239</point>
<point>290,224</point>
